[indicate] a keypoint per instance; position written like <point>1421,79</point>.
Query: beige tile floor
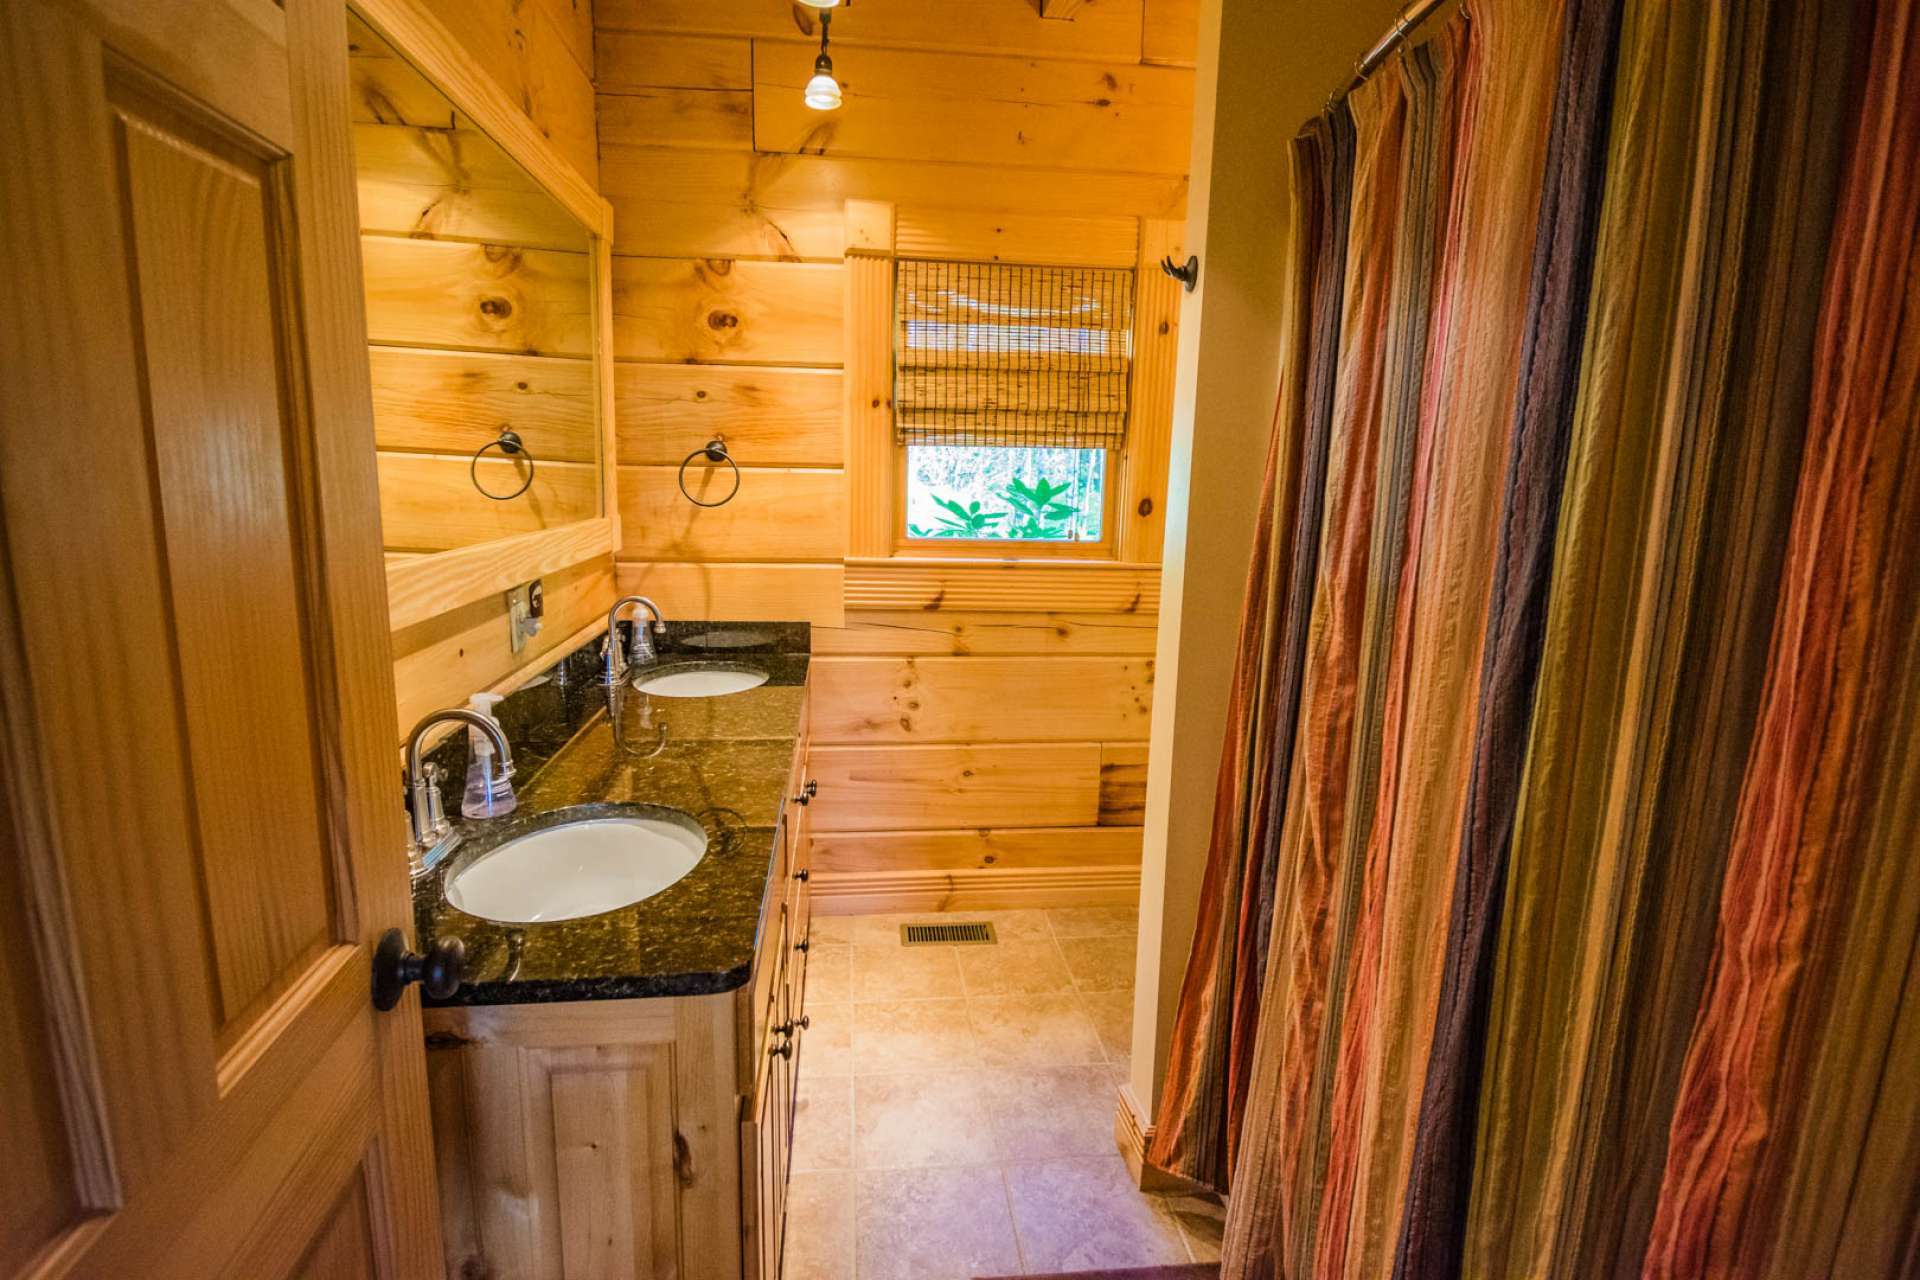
<point>955,1115</point>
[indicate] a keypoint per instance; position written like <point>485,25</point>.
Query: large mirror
<point>481,297</point>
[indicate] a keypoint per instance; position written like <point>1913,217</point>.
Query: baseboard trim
<point>852,893</point>
<point>1133,1136</point>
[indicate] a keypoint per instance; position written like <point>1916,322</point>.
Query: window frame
<point>905,545</point>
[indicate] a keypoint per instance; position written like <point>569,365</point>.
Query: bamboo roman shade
<point>1026,357</point>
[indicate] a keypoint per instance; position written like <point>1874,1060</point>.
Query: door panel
<point>613,1145</point>
<point>36,1184</point>
<point>206,216</point>
<point>344,1248</point>
<point>202,835</point>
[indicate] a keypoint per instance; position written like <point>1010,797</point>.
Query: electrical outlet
<point>525,604</point>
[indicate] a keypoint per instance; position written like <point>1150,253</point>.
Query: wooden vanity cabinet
<point>779,1037</point>
<point>630,1139</point>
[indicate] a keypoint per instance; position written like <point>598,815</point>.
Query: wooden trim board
<point>426,42</point>
<point>424,587</point>
<point>1133,1135</point>
<point>930,889</point>
<point>1019,586</point>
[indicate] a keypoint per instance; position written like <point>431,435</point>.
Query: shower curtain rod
<point>1410,17</point>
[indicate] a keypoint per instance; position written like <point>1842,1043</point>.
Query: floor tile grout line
<point>1013,1222</point>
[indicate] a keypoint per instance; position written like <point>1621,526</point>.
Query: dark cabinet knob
<point>791,1025</point>
<point>782,1050</point>
<point>804,1021</point>
<point>805,944</point>
<point>395,968</point>
<point>803,875</point>
<point>811,790</point>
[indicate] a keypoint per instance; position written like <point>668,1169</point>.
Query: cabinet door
<point>565,1161</point>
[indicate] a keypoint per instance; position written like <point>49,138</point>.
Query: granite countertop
<point>725,761</point>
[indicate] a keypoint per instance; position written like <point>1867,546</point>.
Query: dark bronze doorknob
<point>395,967</point>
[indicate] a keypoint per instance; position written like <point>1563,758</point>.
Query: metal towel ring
<point>510,444</point>
<point>714,450</point>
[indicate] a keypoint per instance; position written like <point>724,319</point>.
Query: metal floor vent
<point>927,935</point>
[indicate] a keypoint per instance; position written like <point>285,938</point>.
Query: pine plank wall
<point>979,730</point>
<point>541,53</point>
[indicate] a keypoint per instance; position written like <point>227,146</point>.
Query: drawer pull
<point>803,875</point>
<point>804,1021</point>
<point>782,1050</point>
<point>805,944</point>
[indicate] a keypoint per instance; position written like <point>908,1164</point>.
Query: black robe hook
<point>1188,275</point>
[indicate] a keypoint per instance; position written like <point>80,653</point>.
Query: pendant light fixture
<point>823,91</point>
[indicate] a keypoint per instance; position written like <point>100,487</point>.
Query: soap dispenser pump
<point>489,791</point>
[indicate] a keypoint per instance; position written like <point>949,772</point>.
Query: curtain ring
<point>510,444</point>
<point>714,450</point>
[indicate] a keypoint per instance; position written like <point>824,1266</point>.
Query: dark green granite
<point>725,761</point>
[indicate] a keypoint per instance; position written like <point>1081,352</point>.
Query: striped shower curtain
<point>1563,914</point>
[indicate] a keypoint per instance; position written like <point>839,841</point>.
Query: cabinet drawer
<point>765,998</point>
<point>799,908</point>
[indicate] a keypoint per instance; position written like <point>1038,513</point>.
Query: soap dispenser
<point>489,791</point>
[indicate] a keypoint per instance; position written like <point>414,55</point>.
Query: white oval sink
<point>701,682</point>
<point>578,869</point>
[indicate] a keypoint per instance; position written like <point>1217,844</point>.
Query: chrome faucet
<point>617,664</point>
<point>432,837</point>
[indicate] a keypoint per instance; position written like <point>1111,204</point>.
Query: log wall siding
<point>540,52</point>
<point>969,718</point>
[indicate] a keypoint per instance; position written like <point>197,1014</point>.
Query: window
<point>1010,398</point>
<point>971,491</point>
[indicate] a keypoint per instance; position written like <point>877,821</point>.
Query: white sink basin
<point>578,869</point>
<point>701,682</point>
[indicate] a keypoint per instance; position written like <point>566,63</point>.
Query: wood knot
<point>1146,506</point>
<point>496,308</point>
<point>1165,327</point>
<point>722,320</point>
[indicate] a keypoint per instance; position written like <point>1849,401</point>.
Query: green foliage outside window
<point>1013,494</point>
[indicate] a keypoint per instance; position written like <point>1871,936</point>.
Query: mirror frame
<point>427,586</point>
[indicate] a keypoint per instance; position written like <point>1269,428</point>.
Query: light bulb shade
<point>823,91</point>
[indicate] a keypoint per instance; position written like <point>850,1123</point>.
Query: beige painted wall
<point>1264,67</point>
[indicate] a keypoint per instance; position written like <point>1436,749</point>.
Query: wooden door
<point>200,831</point>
